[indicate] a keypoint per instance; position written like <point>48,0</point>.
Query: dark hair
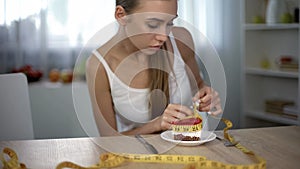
<point>128,5</point>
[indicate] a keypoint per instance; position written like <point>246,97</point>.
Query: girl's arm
<point>186,47</point>
<point>100,96</point>
<point>209,98</point>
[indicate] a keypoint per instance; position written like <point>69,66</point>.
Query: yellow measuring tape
<point>190,127</point>
<point>187,128</point>
<point>110,160</point>
<point>12,162</point>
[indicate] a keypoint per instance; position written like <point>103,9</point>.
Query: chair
<point>15,111</point>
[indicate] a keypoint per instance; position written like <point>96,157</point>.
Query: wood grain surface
<point>279,146</point>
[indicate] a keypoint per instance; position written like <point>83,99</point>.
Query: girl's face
<point>149,25</point>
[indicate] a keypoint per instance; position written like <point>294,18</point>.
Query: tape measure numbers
<point>187,128</point>
<point>195,162</point>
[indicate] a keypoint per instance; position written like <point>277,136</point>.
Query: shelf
<point>249,26</point>
<point>272,117</point>
<point>262,42</point>
<point>272,73</point>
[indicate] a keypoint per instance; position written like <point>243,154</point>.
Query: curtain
<point>48,34</point>
<point>45,33</point>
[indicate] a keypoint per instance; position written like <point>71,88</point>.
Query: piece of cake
<point>188,129</point>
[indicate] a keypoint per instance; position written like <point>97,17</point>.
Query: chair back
<point>15,111</point>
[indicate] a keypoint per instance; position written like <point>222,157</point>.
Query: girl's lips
<point>155,47</point>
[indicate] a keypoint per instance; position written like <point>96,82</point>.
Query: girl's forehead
<point>168,7</point>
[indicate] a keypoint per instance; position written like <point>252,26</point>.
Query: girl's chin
<point>150,51</point>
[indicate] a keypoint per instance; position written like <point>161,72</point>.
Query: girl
<point>145,77</point>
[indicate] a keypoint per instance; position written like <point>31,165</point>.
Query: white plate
<point>206,137</point>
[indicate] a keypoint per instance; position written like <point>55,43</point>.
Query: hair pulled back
<point>128,5</point>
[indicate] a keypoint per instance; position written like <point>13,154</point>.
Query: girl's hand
<point>209,100</point>
<point>173,113</point>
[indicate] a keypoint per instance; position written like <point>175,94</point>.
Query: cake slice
<point>188,129</point>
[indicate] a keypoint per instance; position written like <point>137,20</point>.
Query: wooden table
<point>279,146</point>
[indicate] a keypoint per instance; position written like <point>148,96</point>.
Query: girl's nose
<point>163,32</point>
<point>161,37</point>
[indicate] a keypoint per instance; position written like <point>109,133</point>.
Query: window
<point>48,33</point>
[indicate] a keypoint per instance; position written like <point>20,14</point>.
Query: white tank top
<point>132,105</point>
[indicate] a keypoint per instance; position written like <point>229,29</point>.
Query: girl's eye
<point>153,25</point>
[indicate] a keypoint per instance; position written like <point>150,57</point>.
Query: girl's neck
<point>123,44</point>
<point>124,48</point>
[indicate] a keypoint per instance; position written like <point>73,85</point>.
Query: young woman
<point>144,78</point>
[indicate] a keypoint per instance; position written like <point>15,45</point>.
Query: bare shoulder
<point>184,43</point>
<point>180,31</point>
<point>92,63</point>
<point>183,35</point>
<point>94,67</point>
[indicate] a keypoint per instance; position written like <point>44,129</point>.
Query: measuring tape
<point>110,160</point>
<point>187,128</point>
<point>13,162</point>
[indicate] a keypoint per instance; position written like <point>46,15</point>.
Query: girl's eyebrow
<point>160,20</point>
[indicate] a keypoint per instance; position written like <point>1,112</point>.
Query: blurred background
<point>44,38</point>
<point>48,34</point>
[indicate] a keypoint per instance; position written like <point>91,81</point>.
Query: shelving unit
<point>271,73</point>
<point>261,44</point>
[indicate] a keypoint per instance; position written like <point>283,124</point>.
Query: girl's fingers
<point>173,113</point>
<point>213,103</point>
<point>217,111</point>
<point>211,95</point>
<point>205,95</point>
<point>178,111</point>
<point>167,121</point>
<point>205,104</point>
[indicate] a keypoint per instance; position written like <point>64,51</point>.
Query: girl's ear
<point>120,15</point>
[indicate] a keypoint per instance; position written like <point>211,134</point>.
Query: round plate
<point>206,137</point>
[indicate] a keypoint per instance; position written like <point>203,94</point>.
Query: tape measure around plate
<point>110,160</point>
